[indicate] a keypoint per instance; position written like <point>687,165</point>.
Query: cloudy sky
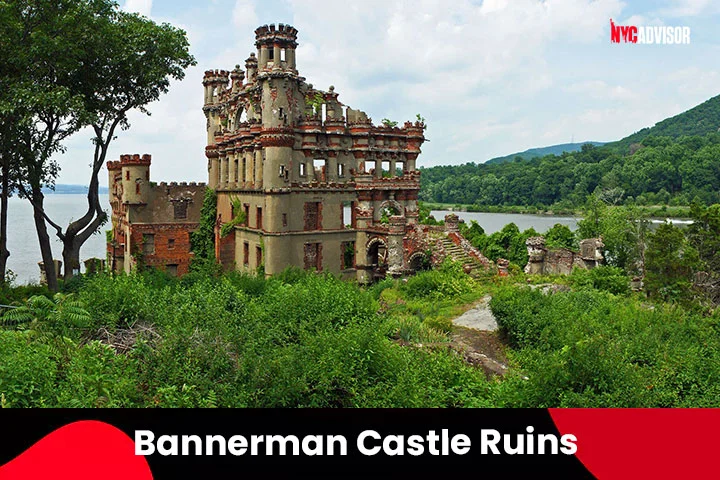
<point>491,77</point>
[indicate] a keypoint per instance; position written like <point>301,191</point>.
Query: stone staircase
<point>459,255</point>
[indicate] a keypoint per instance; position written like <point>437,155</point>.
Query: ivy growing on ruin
<point>240,218</point>
<point>202,241</point>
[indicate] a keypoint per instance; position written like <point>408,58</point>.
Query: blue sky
<point>491,77</point>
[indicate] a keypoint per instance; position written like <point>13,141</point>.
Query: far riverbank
<point>653,211</point>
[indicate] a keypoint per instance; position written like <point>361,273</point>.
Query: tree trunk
<point>44,239</point>
<point>71,260</point>
<point>77,232</point>
<point>4,253</point>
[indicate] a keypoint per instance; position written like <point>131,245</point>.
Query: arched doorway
<point>390,208</point>
<point>377,256</point>
<point>419,262</point>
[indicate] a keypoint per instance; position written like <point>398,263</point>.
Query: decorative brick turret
<point>282,150</point>
<point>274,43</point>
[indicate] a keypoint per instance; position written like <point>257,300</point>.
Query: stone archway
<point>419,262</point>
<point>395,208</point>
<point>240,116</point>
<point>376,250</point>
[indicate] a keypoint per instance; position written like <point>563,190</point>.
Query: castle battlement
<point>303,179</point>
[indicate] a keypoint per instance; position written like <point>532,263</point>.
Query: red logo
<point>659,35</point>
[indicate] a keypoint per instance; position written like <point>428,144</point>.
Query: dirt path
<point>475,335</point>
<point>479,317</point>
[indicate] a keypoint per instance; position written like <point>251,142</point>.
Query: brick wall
<point>172,245</point>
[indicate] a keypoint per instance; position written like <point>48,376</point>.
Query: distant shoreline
<point>64,189</point>
<point>653,211</point>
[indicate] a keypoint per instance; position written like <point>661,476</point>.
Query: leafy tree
<point>132,66</point>
<point>624,233</point>
<point>79,63</point>
<point>704,235</point>
<point>560,236</point>
<point>42,43</point>
<point>623,230</point>
<point>8,184</point>
<point>670,262</point>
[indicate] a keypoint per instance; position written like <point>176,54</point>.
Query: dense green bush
<point>606,278</point>
<point>311,340</point>
<point>593,349</point>
<point>448,280</point>
<point>27,371</point>
<point>298,339</point>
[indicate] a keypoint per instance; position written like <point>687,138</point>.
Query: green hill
<point>673,163</point>
<point>542,151</point>
<point>700,120</point>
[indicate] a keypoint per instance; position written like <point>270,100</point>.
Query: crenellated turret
<point>251,67</point>
<point>237,76</point>
<point>214,81</point>
<point>135,172</point>
<point>276,47</point>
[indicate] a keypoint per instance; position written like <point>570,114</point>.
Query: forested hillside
<point>700,120</point>
<point>674,163</point>
<point>542,151</point>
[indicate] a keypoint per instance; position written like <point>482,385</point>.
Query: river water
<point>22,238</point>
<point>25,251</point>
<point>494,222</point>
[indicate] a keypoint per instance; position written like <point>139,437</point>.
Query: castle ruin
<point>151,223</point>
<point>548,261</point>
<point>287,161</point>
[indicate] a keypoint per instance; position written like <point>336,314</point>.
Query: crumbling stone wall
<point>542,260</point>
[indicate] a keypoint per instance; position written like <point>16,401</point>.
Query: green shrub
<point>119,301</point>
<point>27,371</point>
<point>440,324</point>
<point>606,278</point>
<point>516,312</point>
<point>448,280</point>
<point>96,376</point>
<point>593,349</point>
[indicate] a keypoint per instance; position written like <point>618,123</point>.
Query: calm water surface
<point>493,222</point>
<point>22,238</point>
<point>25,252</point>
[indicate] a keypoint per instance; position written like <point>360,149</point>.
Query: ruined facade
<point>542,260</point>
<point>301,180</point>
<point>287,159</point>
<point>151,223</point>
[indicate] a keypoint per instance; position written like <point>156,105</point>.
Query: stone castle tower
<point>288,162</point>
<point>301,180</point>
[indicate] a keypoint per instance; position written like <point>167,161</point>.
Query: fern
<point>60,313</point>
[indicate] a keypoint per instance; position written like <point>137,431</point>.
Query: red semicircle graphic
<point>80,451</point>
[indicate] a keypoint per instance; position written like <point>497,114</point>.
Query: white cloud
<point>599,89</point>
<point>642,20</point>
<point>244,15</point>
<point>695,82</point>
<point>491,78</point>
<point>143,7</point>
<point>688,8</point>
<point>450,49</point>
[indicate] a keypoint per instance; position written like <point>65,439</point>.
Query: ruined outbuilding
<point>543,260</point>
<point>151,223</point>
